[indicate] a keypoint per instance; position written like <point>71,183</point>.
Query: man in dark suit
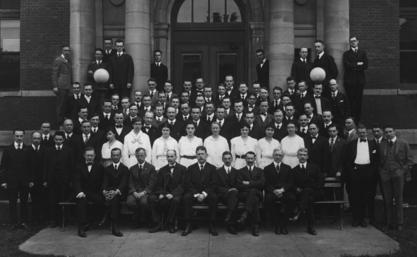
<point>250,182</point>
<point>106,116</point>
<point>168,192</point>
<point>73,101</point>
<point>339,103</point>
<point>276,101</point>
<point>280,128</point>
<point>16,178</point>
<point>46,136</point>
<point>326,62</point>
<point>185,113</point>
<point>58,171</point>
<point>308,184</point>
<point>119,127</point>
<point>36,164</point>
<point>100,89</point>
<point>202,128</point>
<point>255,130</point>
<point>226,126</point>
<point>61,80</point>
<point>302,97</point>
<point>69,135</point>
<point>291,90</point>
<point>90,100</point>
<point>142,181</point>
<point>199,182</point>
<point>355,62</point>
<point>279,187</point>
<point>318,149</point>
<point>262,69</point>
<point>320,102</point>
<point>82,116</point>
<point>312,116</point>
<point>396,163</point>
<point>226,189</point>
<point>301,67</point>
<point>122,69</point>
<point>159,71</point>
<point>362,160</point>
<point>115,187</point>
<point>177,128</point>
<point>231,91</point>
<point>303,126</point>
<point>88,178</point>
<point>337,146</point>
<point>263,118</point>
<point>108,51</point>
<point>84,140</point>
<point>152,131</point>
<point>96,132</point>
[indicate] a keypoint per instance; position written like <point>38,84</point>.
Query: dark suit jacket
<point>171,184</point>
<point>262,124</point>
<point>325,104</point>
<point>79,145</point>
<point>227,129</point>
<point>72,105</point>
<point>263,74</point>
<point>223,181</point>
<point>93,106</point>
<point>340,107</point>
<point>279,133</point>
<point>203,129</point>
<point>326,62</point>
<point>337,155</point>
<point>300,101</point>
<point>144,180</point>
<point>256,179</point>
<point>318,153</point>
<point>106,123</point>
<point>256,131</point>
<point>88,182</point>
<point>59,165</point>
<point>350,155</point>
<point>160,74</point>
<point>152,132</point>
<point>354,73</point>
<point>14,167</point>
<point>48,142</point>
<point>310,178</point>
<point>177,129</point>
<point>36,163</point>
<point>92,67</point>
<point>197,181</point>
<point>122,70</point>
<point>116,179</point>
<point>283,179</point>
<point>107,57</point>
<point>300,70</point>
<point>402,156</point>
<point>123,133</point>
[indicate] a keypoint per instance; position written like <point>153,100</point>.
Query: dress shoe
<point>81,233</point>
<point>187,230</point>
<point>283,230</point>
<point>363,224</point>
<point>277,230</point>
<point>231,229</point>
<point>213,230</point>
<point>311,231</point>
<point>255,230</point>
<point>242,218</point>
<point>155,229</point>
<point>117,233</point>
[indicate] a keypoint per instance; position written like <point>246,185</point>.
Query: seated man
<point>250,182</point>
<point>115,184</point>
<point>199,188</point>
<point>308,185</point>
<point>87,186</point>
<point>142,180</point>
<point>278,187</point>
<point>225,189</point>
<point>168,192</point>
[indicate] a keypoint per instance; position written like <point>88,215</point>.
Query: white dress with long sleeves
<point>159,151</point>
<point>265,150</point>
<point>215,149</point>
<point>186,147</point>
<point>239,147</point>
<point>290,146</point>
<point>132,142</point>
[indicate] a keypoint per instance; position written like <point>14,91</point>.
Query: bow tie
<point>362,140</point>
<point>119,126</point>
<point>89,164</point>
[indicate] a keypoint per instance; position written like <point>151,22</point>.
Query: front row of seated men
<point>163,193</point>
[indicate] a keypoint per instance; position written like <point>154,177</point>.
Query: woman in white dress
<point>265,147</point>
<point>161,146</point>
<point>290,146</point>
<point>187,145</point>
<point>216,145</point>
<point>241,145</point>
<point>111,144</point>
<point>133,140</point>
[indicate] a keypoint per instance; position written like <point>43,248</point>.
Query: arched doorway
<point>209,40</point>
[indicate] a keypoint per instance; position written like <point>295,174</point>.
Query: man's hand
<point>111,86</point>
<point>200,197</point>
<point>80,195</point>
<point>4,185</point>
<point>55,89</point>
<point>298,189</point>
<point>359,63</point>
<point>45,184</point>
<point>232,189</point>
<point>338,174</point>
<point>169,196</point>
<point>129,85</point>
<point>136,195</point>
<point>245,182</point>
<point>161,196</point>
<point>31,184</point>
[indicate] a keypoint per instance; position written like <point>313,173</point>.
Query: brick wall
<point>376,24</point>
<point>44,29</point>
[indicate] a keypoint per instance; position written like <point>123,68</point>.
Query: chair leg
<point>341,213</point>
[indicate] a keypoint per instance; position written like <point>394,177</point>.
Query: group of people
<point>170,148</point>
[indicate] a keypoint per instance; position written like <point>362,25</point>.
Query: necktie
<point>391,143</point>
<point>115,166</point>
<point>44,138</point>
<point>277,168</point>
<point>140,167</point>
<point>201,167</point>
<point>333,95</point>
<point>331,143</point>
<point>227,170</point>
<point>20,146</point>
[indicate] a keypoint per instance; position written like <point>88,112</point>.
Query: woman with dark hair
<point>241,145</point>
<point>187,145</point>
<point>161,146</point>
<point>111,144</point>
<point>265,147</point>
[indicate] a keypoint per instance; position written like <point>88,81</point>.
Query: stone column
<point>336,31</point>
<point>82,36</point>
<point>99,23</point>
<point>281,41</point>
<point>161,35</point>
<point>256,41</point>
<point>138,40</point>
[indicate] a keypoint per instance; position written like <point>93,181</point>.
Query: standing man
<point>122,69</point>
<point>109,51</point>
<point>395,165</point>
<point>61,80</point>
<point>159,71</point>
<point>362,160</point>
<point>100,89</point>
<point>262,69</point>
<point>355,62</point>
<point>16,178</point>
<point>301,66</point>
<point>337,147</point>
<point>326,62</point>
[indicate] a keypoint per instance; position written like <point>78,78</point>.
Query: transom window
<point>209,11</point>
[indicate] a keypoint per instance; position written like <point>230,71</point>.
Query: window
<point>9,45</point>
<point>408,50</point>
<point>209,11</point>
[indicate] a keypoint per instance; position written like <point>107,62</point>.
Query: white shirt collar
<point>321,54</point>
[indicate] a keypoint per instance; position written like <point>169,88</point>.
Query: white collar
<point>321,54</point>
